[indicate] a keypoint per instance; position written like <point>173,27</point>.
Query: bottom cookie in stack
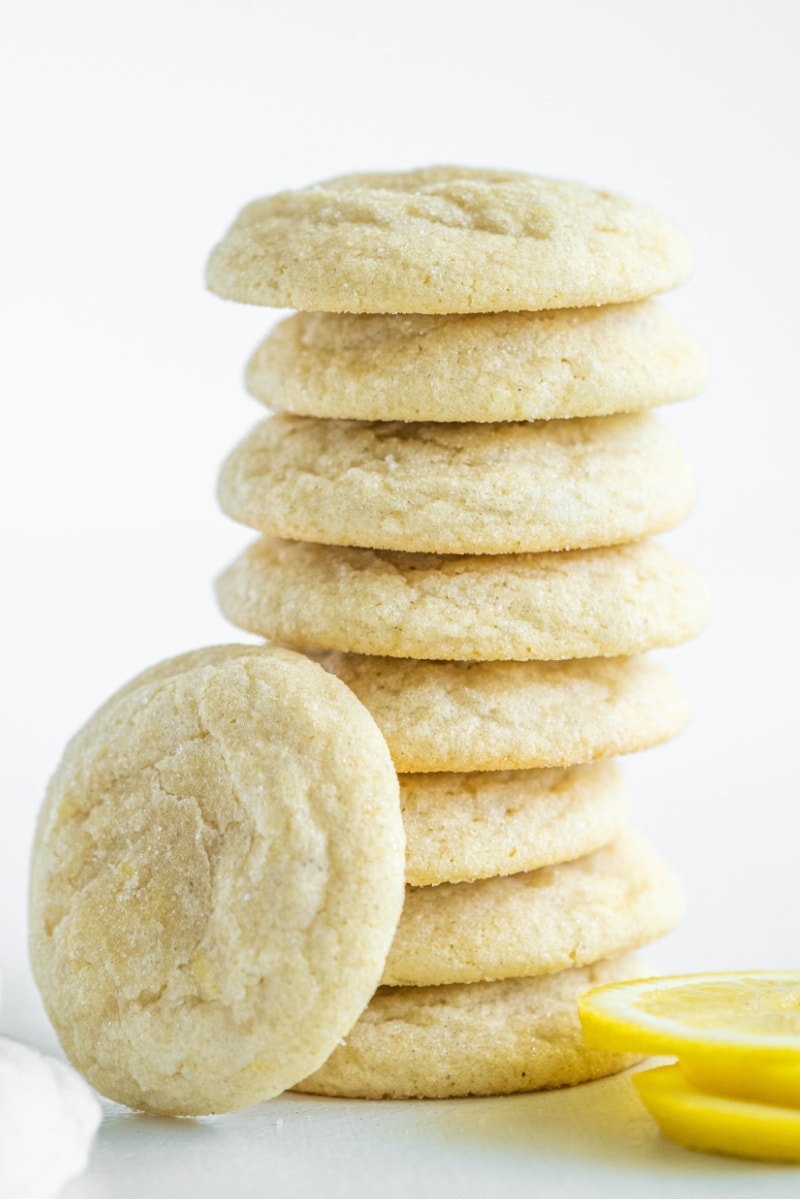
<point>473,1039</point>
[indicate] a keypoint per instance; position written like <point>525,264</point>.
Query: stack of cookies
<point>456,498</point>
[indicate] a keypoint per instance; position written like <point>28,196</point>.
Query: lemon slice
<point>746,1078</point>
<point>736,1034</point>
<point>718,1124</point>
<point>731,1012</point>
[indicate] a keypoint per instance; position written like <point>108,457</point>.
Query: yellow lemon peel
<point>736,1089</point>
<point>764,1083</point>
<point>718,1124</point>
<point>747,1016</point>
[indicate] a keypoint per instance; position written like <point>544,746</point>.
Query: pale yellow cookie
<point>617,899</point>
<point>217,876</point>
<point>481,824</point>
<point>573,362</point>
<point>473,1039</point>
<point>476,824</point>
<point>204,656</point>
<point>500,716</point>
<point>573,604</point>
<point>459,489</point>
<point>446,240</point>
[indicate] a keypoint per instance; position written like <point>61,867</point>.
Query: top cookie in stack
<point>446,240</point>
<point>464,468</point>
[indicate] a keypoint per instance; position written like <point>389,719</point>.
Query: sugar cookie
<point>204,656</point>
<point>446,240</point>
<point>516,366</point>
<point>217,876</point>
<point>459,489</point>
<point>614,900</point>
<point>479,824</point>
<point>499,716</point>
<point>573,604</point>
<point>472,1039</point>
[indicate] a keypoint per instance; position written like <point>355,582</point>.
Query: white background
<point>133,133</point>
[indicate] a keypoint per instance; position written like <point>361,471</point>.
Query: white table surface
<point>134,133</point>
<point>595,1140</point>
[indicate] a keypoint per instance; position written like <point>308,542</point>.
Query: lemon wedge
<point>718,1124</point>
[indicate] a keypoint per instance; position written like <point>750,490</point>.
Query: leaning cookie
<point>217,875</point>
<point>505,488</point>
<point>446,240</point>
<point>179,664</point>
<point>473,1039</point>
<point>617,899</point>
<point>499,716</point>
<point>573,604</point>
<point>514,366</point>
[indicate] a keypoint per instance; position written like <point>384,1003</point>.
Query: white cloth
<point>48,1119</point>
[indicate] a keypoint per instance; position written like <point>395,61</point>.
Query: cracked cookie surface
<point>614,900</point>
<point>217,875</point>
<point>576,362</point>
<point>573,604</point>
<point>481,824</point>
<point>502,488</point>
<point>446,240</point>
<point>500,716</point>
<point>473,1039</point>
